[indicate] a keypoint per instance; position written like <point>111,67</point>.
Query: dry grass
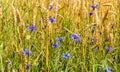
<point>72,16</point>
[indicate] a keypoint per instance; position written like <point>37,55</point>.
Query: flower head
<point>27,66</point>
<point>74,36</point>
<point>32,28</point>
<point>90,13</point>
<point>65,55</point>
<point>51,20</point>
<point>26,52</point>
<point>51,7</point>
<point>94,6</point>
<point>108,48</point>
<point>59,39</point>
<point>109,69</point>
<point>55,45</point>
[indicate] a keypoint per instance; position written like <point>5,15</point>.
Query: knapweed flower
<point>32,28</point>
<point>55,45</point>
<point>59,39</point>
<point>75,37</point>
<point>27,66</point>
<point>51,20</point>
<point>51,7</point>
<point>108,48</point>
<point>94,6</point>
<point>90,13</point>
<point>26,52</point>
<point>65,55</point>
<point>109,69</point>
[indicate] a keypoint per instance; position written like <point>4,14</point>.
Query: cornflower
<point>32,28</point>
<point>55,45</point>
<point>94,6</point>
<point>75,37</point>
<point>26,52</point>
<point>108,48</point>
<point>51,20</point>
<point>65,55</point>
<point>59,39</point>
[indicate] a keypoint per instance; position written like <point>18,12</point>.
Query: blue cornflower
<point>27,66</point>
<point>90,13</point>
<point>74,36</point>
<point>94,6</point>
<point>32,28</point>
<point>55,45</point>
<point>26,52</point>
<point>51,7</point>
<point>59,39</point>
<point>108,48</point>
<point>65,55</point>
<point>51,20</point>
<point>109,69</point>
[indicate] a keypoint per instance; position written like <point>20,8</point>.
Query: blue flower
<point>90,13</point>
<point>59,39</point>
<point>32,28</point>
<point>27,66</point>
<point>94,6</point>
<point>26,52</point>
<point>109,69</point>
<point>55,45</point>
<point>74,36</point>
<point>51,7</point>
<point>51,20</point>
<point>108,48</point>
<point>65,55</point>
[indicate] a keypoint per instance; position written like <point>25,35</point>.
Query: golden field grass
<point>72,16</point>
